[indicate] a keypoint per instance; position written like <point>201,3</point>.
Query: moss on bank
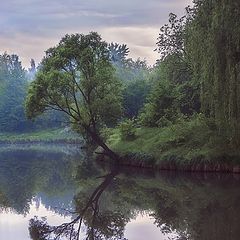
<point>46,136</point>
<point>191,145</point>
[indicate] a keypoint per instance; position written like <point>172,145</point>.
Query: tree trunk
<point>107,151</point>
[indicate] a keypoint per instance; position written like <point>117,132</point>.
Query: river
<point>49,191</point>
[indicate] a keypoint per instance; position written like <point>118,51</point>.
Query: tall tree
<point>174,91</point>
<point>172,36</point>
<point>118,53</point>
<point>214,44</point>
<point>76,77</point>
<point>32,70</point>
<point>134,76</point>
<point>13,84</point>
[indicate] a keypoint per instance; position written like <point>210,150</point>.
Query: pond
<point>55,191</point>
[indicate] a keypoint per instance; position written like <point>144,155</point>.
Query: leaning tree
<point>76,77</point>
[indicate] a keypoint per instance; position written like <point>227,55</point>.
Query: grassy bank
<point>45,136</point>
<point>188,145</point>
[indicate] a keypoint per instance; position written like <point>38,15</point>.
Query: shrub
<point>105,133</point>
<point>127,129</point>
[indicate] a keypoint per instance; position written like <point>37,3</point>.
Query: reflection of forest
<point>195,206</point>
<point>28,173</point>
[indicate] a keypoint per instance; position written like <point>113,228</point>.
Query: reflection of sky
<point>29,27</point>
<point>143,227</point>
<point>15,227</point>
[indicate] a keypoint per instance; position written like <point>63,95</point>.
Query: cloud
<point>140,40</point>
<point>28,27</point>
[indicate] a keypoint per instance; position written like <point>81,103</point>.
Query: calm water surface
<point>47,191</point>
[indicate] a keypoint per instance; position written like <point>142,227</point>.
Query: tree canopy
<point>13,85</point>
<point>213,45</point>
<point>76,77</point>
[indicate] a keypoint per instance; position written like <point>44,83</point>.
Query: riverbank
<point>189,146</point>
<point>44,136</point>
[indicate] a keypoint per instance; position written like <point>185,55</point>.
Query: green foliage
<point>14,81</point>
<point>170,39</point>
<point>172,36</point>
<point>47,135</point>
<point>198,71</point>
<point>164,102</point>
<point>182,142</point>
<point>77,78</point>
<point>134,95</point>
<point>105,132</point>
<point>127,129</point>
<point>135,78</point>
<point>13,84</point>
<point>213,44</point>
<point>174,92</point>
<point>118,53</point>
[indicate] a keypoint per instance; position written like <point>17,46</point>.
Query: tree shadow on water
<point>182,206</point>
<point>96,224</point>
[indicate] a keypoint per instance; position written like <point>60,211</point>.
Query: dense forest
<point>14,82</point>
<point>185,107</point>
<point>192,112</point>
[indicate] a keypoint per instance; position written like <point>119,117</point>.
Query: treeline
<point>197,75</point>
<point>14,82</point>
<point>175,92</point>
<point>213,45</point>
<point>13,86</point>
<point>134,77</point>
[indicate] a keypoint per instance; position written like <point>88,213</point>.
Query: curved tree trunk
<point>107,151</point>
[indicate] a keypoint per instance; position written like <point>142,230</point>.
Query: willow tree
<point>77,78</point>
<point>214,46</point>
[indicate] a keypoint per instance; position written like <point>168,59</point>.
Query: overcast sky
<point>29,27</point>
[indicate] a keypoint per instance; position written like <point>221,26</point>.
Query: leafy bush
<point>127,129</point>
<point>105,133</point>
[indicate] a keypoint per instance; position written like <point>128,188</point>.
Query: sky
<point>29,27</point>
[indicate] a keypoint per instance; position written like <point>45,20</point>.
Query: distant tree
<point>32,70</point>
<point>33,66</point>
<point>134,95</point>
<point>172,36</point>
<point>134,76</point>
<point>170,39</point>
<point>173,93</point>
<point>76,77</point>
<point>161,107</point>
<point>118,53</point>
<point>13,85</point>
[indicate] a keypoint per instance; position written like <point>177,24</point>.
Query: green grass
<point>49,135</point>
<point>183,143</point>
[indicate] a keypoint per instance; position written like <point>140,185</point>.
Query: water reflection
<point>182,206</point>
<point>110,203</point>
<point>35,174</point>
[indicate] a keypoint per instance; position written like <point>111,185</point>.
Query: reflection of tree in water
<point>23,174</point>
<point>99,224</point>
<point>202,207</point>
<point>199,207</point>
